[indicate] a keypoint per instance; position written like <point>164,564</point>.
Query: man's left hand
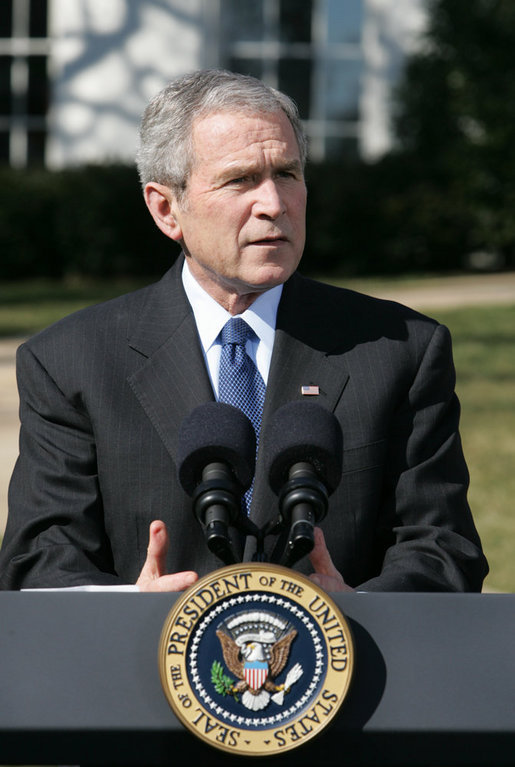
<point>326,575</point>
<point>154,575</point>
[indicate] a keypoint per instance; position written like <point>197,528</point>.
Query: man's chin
<point>266,282</point>
<point>269,275</point>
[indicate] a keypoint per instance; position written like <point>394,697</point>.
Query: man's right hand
<point>153,576</point>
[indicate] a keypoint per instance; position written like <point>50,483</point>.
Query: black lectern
<point>434,683</point>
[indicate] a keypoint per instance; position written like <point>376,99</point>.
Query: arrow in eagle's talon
<point>294,674</point>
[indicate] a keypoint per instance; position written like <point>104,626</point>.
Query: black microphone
<point>216,457</point>
<point>303,447</point>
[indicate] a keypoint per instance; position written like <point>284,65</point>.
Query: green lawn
<point>484,351</point>
<point>26,307</point>
<point>485,360</point>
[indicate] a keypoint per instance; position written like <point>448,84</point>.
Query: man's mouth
<point>271,240</point>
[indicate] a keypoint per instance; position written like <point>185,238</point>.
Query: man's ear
<point>162,206</point>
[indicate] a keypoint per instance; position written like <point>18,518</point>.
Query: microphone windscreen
<point>216,432</point>
<point>303,431</point>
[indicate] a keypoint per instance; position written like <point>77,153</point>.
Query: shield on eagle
<point>255,673</point>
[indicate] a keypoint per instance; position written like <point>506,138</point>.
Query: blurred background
<point>409,106</point>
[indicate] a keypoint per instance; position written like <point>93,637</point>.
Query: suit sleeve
<point>55,533</point>
<point>426,526</point>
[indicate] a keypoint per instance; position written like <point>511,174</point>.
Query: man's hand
<point>326,575</point>
<point>153,576</point>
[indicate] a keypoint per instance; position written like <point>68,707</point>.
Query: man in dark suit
<point>103,392</point>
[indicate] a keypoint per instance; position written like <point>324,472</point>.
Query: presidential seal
<point>255,659</point>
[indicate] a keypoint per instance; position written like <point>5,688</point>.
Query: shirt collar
<point>210,317</point>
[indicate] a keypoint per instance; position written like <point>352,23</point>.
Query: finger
<point>320,558</point>
<point>326,575</point>
<point>158,544</point>
<point>172,582</point>
<point>329,582</point>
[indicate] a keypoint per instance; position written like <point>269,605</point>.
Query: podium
<point>434,683</point>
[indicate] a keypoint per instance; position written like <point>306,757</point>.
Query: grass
<point>26,307</point>
<point>485,362</point>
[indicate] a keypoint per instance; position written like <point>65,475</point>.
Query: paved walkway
<point>8,421</point>
<point>449,292</point>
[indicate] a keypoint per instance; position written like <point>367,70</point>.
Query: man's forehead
<point>233,130</point>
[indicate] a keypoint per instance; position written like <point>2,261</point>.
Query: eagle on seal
<point>256,663</point>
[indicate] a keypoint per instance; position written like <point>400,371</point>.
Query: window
<point>23,81</point>
<point>311,50</point>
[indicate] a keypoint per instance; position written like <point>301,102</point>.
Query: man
<point>103,392</point>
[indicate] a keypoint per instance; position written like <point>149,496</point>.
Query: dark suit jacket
<point>103,393</point>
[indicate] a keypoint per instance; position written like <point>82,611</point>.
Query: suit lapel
<point>173,379</point>
<point>295,364</point>
<point>302,355</point>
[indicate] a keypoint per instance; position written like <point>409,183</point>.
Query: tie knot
<point>235,331</point>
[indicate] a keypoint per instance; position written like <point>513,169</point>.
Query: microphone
<point>216,456</point>
<point>303,447</point>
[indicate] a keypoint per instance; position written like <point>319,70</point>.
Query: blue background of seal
<point>302,651</point>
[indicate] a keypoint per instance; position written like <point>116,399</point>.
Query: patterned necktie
<point>240,383</point>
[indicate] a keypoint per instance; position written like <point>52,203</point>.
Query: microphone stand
<point>302,503</point>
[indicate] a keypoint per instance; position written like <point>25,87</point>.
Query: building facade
<point>75,75</point>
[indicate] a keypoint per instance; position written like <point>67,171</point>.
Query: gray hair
<point>166,153</point>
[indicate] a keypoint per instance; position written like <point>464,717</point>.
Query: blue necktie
<point>240,383</point>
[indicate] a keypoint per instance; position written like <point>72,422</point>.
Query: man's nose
<point>269,203</point>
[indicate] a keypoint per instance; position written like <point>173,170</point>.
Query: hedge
<point>362,219</point>
<point>89,221</point>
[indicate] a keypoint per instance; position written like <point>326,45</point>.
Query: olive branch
<point>223,683</point>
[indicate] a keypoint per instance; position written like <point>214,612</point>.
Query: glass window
<point>4,146</point>
<point>38,85</point>
<point>341,146</point>
<point>295,80</point>
<point>36,146</point>
<point>295,21</point>
<point>242,20</point>
<point>344,21</point>
<point>292,69</point>
<point>38,18</point>
<point>253,67</point>
<point>5,85</point>
<point>23,141</point>
<point>342,80</point>
<point>6,18</point>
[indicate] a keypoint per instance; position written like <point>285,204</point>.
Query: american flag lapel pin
<point>310,391</point>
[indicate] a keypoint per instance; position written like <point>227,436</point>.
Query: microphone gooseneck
<point>302,503</point>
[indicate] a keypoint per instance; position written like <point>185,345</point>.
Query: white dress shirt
<point>210,318</point>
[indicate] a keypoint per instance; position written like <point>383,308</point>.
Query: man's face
<point>242,219</point>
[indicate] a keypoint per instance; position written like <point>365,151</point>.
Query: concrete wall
<point>108,58</point>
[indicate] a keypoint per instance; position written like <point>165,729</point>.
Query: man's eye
<point>239,180</point>
<point>286,174</point>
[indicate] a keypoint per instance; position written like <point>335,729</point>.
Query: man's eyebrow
<point>239,169</point>
<point>293,165</point>
<point>245,169</point>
